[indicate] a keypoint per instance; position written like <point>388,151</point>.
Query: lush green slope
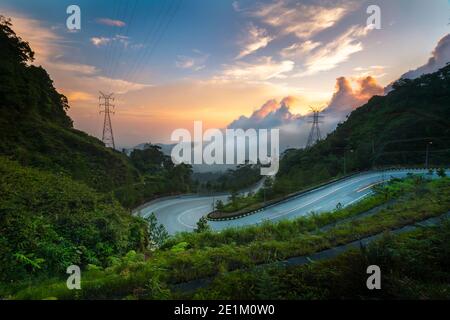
<point>58,186</point>
<point>388,130</point>
<point>36,131</point>
<point>49,222</point>
<point>34,127</point>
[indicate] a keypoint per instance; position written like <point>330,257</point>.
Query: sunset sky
<point>175,61</point>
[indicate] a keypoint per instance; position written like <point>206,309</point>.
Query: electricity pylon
<point>314,134</point>
<point>108,136</point>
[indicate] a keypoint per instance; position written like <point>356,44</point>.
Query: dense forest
<point>243,176</point>
<point>392,130</point>
<point>36,131</point>
<point>63,192</point>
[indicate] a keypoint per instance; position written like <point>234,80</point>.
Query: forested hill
<point>387,131</point>
<point>35,129</point>
<point>50,215</point>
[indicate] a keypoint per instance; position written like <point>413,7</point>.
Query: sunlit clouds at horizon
<point>173,62</point>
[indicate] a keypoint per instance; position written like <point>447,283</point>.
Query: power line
<point>133,11</point>
<point>160,31</point>
<point>117,42</point>
<point>122,43</point>
<point>109,45</point>
<point>150,32</point>
<point>113,57</point>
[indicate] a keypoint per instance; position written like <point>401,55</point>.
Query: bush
<point>49,222</point>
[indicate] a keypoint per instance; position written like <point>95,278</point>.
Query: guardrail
<point>317,187</point>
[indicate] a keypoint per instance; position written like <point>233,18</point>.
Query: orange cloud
<point>268,107</point>
<point>74,96</point>
<point>45,43</point>
<point>352,93</point>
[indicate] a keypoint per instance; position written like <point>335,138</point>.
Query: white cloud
<point>303,20</point>
<point>196,62</point>
<point>111,22</point>
<point>255,39</point>
<point>300,49</point>
<point>50,50</point>
<point>236,6</point>
<point>374,71</point>
<point>294,128</point>
<point>101,41</point>
<point>263,69</point>
<point>439,58</point>
<point>272,114</point>
<point>83,69</point>
<point>335,52</point>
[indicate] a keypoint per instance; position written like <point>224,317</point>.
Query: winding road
<point>181,213</point>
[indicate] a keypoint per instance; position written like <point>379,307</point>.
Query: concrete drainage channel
<point>322,255</point>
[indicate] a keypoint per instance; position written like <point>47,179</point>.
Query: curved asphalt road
<point>182,213</point>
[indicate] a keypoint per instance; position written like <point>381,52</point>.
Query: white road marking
<point>169,203</point>
<point>188,211</point>
<point>321,197</point>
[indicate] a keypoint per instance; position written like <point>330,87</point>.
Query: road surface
<point>182,213</point>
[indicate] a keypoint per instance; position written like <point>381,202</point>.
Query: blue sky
<point>175,61</point>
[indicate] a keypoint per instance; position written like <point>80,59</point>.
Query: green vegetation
<point>414,266</point>
<point>202,225</point>
<point>158,177</point>
<point>156,232</point>
<point>192,256</point>
<point>244,176</point>
<point>36,131</point>
<point>49,222</point>
<point>392,130</point>
<point>239,205</point>
<point>60,187</point>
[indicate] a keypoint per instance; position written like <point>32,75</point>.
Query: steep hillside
<point>48,222</point>
<point>59,187</point>
<point>35,129</point>
<point>389,130</point>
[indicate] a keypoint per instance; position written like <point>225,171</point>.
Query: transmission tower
<point>314,134</point>
<point>105,107</point>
